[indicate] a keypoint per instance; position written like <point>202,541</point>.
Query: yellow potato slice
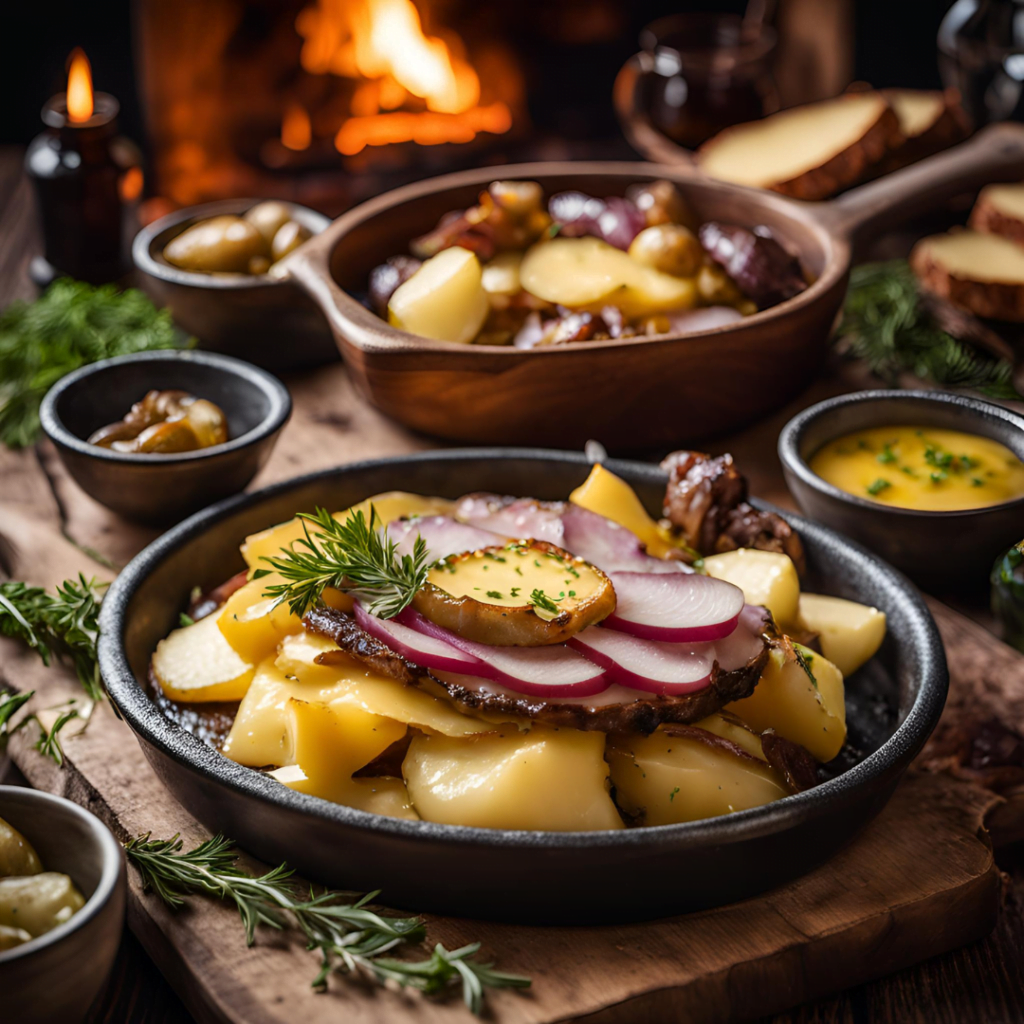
<point>491,596</point>
<point>586,272</point>
<point>444,300</point>
<point>501,275</point>
<point>547,779</point>
<point>802,698</point>
<point>196,664</point>
<point>663,779</point>
<point>849,633</point>
<point>383,795</point>
<point>766,578</point>
<point>610,496</point>
<point>253,624</point>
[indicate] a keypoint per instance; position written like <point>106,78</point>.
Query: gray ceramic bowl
<point>54,978</point>
<point>893,704</point>
<point>269,322</point>
<point>160,489</point>
<point>940,549</point>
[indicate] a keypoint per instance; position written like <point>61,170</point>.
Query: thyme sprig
<point>356,556</point>
<point>885,324</point>
<point>349,936</point>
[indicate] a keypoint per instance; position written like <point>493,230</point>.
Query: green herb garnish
<point>886,455</point>
<point>541,600</point>
<point>885,325</point>
<point>496,594</point>
<point>71,325</point>
<point>187,620</point>
<point>878,486</point>
<point>805,659</point>
<point>354,556</point>
<point>340,926</point>
<point>49,741</point>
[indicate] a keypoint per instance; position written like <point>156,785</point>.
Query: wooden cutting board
<point>919,881</point>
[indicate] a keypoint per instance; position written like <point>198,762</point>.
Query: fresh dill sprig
<point>355,556</point>
<point>65,624</point>
<point>348,935</point>
<point>70,325</point>
<point>885,325</point>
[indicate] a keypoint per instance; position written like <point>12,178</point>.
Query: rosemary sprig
<point>9,705</point>
<point>65,624</point>
<point>885,325</point>
<point>339,925</point>
<point>49,739</point>
<point>356,556</point>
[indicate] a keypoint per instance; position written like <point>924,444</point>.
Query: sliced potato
<point>253,624</point>
<point>38,903</point>
<point>516,595</point>
<point>444,300</point>
<point>17,856</point>
<point>766,578</point>
<point>849,633</point>
<point>801,696</point>
<point>11,937</point>
<point>196,664</point>
<point>390,505</point>
<point>501,275</point>
<point>610,496</point>
<point>542,779</point>
<point>383,795</point>
<point>586,272</point>
<point>664,779</point>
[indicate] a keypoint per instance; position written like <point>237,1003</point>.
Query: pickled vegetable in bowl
<point>165,422</point>
<point>503,662</point>
<point>516,270</point>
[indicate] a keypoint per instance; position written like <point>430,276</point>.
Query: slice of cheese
<point>547,779</point>
<point>385,795</point>
<point>254,624</point>
<point>974,256</point>
<point>196,664</point>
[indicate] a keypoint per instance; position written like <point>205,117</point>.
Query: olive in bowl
<point>54,975</point>
<point>209,265</point>
<point>931,481</point>
<point>162,487</point>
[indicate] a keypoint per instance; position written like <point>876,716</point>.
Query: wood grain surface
<point>921,880</point>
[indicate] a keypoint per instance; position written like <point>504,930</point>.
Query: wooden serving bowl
<point>633,392</point>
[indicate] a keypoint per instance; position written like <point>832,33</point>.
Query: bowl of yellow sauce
<point>931,481</point>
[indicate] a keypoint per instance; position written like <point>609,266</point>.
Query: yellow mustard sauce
<point>921,468</point>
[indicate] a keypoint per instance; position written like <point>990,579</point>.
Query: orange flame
<point>79,96</point>
<point>296,130</point>
<point>382,43</point>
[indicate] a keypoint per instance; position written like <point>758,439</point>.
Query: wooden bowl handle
<point>636,125</point>
<point>996,153</point>
<point>309,266</point>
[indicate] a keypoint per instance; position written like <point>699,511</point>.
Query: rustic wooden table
<point>980,984</point>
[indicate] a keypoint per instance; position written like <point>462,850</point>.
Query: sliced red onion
<point>744,643</point>
<point>443,536</point>
<point>609,546</point>
<point>614,220</point>
<point>647,664</point>
<point>520,518</point>
<point>553,671</point>
<point>675,607</point>
<point>704,319</point>
<point>418,647</point>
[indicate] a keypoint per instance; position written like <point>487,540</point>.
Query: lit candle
<point>87,182</point>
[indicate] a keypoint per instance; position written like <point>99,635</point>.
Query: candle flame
<point>79,87</point>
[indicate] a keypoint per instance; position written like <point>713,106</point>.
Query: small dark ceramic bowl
<point>935,548</point>
<point>270,322</point>
<point>54,978</point>
<point>893,704</point>
<point>160,489</point>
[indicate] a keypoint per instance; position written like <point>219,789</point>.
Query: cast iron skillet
<point>536,876</point>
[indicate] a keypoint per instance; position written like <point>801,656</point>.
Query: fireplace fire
<point>320,101</point>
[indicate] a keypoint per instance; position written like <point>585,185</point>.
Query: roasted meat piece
<point>706,501</point>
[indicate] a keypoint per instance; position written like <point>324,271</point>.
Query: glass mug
<point>695,75</point>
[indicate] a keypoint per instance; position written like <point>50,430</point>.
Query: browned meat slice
<point>643,714</point>
<point>202,605</point>
<point>706,500</point>
<point>792,761</point>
